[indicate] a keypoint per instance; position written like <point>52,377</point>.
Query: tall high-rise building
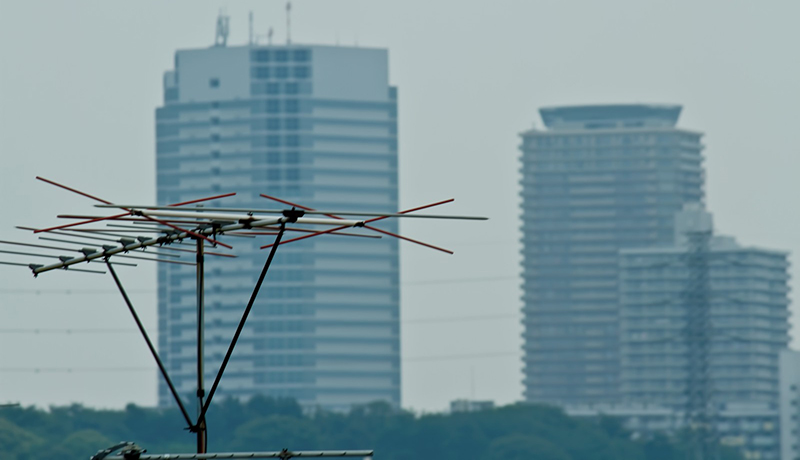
<point>596,180</point>
<point>314,125</point>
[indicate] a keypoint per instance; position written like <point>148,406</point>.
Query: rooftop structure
<point>610,116</point>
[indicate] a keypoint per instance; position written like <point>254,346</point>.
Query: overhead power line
<point>79,331</point>
<point>79,370</point>
<point>153,291</point>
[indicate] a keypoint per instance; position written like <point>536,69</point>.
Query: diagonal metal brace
<point>201,418</point>
<point>153,351</point>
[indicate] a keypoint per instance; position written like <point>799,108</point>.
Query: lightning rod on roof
<point>250,32</point>
<point>288,23</point>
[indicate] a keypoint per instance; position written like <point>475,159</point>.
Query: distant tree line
<point>515,432</point>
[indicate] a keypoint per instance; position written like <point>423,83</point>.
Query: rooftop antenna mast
<point>223,22</point>
<point>288,23</point>
<point>250,32</point>
<point>269,36</point>
<point>170,225</point>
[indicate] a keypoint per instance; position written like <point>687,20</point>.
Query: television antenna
<point>159,230</point>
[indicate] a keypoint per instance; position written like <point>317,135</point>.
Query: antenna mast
<point>250,17</point>
<point>288,23</point>
<point>221,39</point>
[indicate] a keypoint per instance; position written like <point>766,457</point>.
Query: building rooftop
<point>610,116</point>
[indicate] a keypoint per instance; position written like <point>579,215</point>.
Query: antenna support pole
<point>201,420</point>
<point>201,426</point>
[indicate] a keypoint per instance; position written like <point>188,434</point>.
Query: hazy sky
<point>79,82</point>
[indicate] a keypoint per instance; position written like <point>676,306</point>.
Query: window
<point>293,141</point>
<point>259,72</point>
<point>302,55</point>
<point>171,94</point>
<point>214,120</point>
<point>273,106</point>
<point>292,124</point>
<point>164,130</point>
<point>273,158</point>
<point>301,72</point>
<point>273,124</point>
<point>273,88</point>
<point>281,72</point>
<point>215,105</point>
<point>215,138</point>
<point>215,154</point>
<point>292,174</point>
<point>260,56</point>
<point>292,157</point>
<point>273,141</point>
<point>282,56</point>
<point>213,82</point>
<point>273,174</point>
<point>292,106</point>
<point>292,88</point>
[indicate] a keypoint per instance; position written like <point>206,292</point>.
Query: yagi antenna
<point>134,229</point>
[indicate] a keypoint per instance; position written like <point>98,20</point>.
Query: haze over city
<point>80,82</point>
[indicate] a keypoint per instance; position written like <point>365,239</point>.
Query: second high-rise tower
<point>596,180</point>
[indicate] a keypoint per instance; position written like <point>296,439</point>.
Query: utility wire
<point>149,291</point>
<point>76,370</point>
<point>78,331</point>
<point>65,331</point>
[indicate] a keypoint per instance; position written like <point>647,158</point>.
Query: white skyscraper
<point>315,125</point>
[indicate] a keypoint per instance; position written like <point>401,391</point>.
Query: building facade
<point>790,404</point>
<point>315,125</point>
<point>595,180</point>
<point>749,428</point>
<point>702,324</point>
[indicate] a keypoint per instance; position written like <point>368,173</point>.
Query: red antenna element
<point>73,190</point>
<point>306,208</point>
<point>189,232</point>
<point>201,199</point>
<point>75,224</point>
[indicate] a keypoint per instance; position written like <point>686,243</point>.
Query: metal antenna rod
<point>149,344</point>
<point>201,424</point>
<point>245,314</point>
